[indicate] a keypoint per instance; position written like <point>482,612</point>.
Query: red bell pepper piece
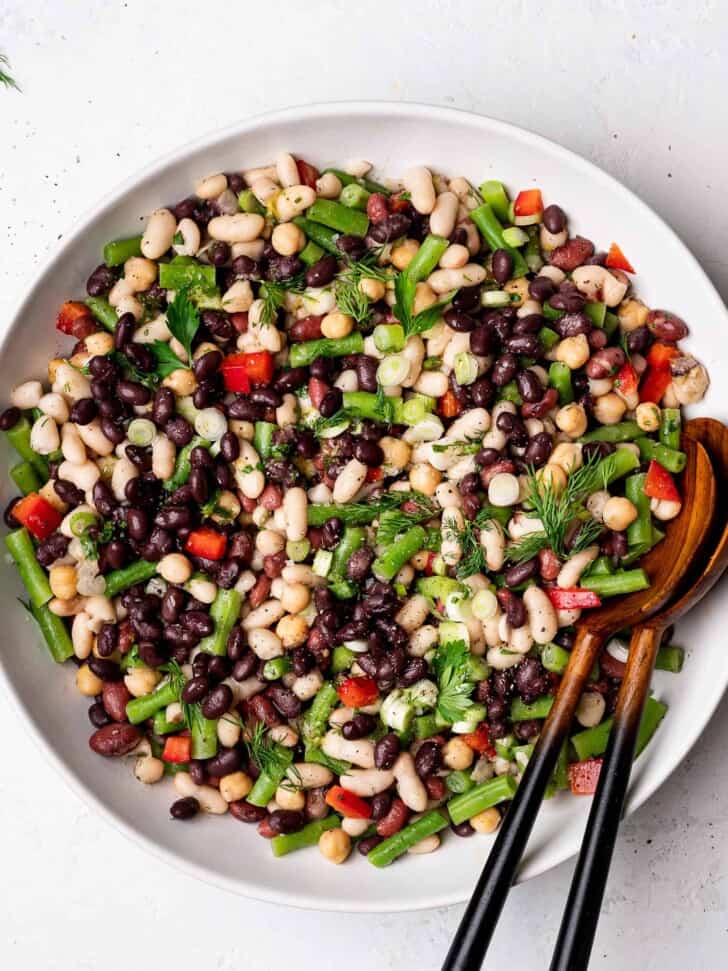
<point>572,598</point>
<point>616,260</point>
<point>37,515</point>
<point>177,748</point>
<point>431,557</point>
<point>660,355</point>
<point>307,173</point>
<point>660,484</point>
<point>657,378</point>
<point>375,475</point>
<point>317,391</point>
<point>358,692</point>
<point>75,318</point>
<point>240,371</point>
<point>626,380</point>
<point>398,204</point>
<point>584,776</point>
<point>347,804</point>
<point>206,543</point>
<point>528,203</point>
<point>448,405</point>
<point>479,740</point>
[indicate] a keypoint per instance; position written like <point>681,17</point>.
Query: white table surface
<point>638,88</point>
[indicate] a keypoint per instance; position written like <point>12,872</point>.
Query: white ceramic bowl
<point>393,136</point>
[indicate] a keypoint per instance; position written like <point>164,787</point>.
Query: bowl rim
<point>312,112</point>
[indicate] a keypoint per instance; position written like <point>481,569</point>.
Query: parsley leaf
<point>183,319</point>
<point>404,291</point>
<point>167,360</point>
<point>451,665</point>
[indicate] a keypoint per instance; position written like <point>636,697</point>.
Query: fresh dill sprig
<point>267,754</point>
<point>5,78</point>
<point>395,521</point>
<point>472,559</point>
<point>413,323</point>
<point>527,547</point>
<point>349,298</point>
<point>273,295</point>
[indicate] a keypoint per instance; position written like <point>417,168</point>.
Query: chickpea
<point>182,382</point>
<point>235,786</point>
<point>618,513</point>
<point>403,253</point>
<point>87,682</point>
<point>287,239</point>
<point>292,630</point>
<point>335,845</point>
<point>141,681</point>
<point>609,409</point>
<point>632,314</point>
<point>519,289</point>
<point>289,798</point>
<point>574,352</point>
<point>425,297</point>
<point>457,755</point>
<point>553,476</point>
<point>486,822</point>
<point>396,452</point>
<point>62,581</point>
<point>140,273</point>
<point>372,289</point>
<point>423,478</point>
<point>336,325</point>
<point>647,416</point>
<point>148,769</point>
<point>567,455</point>
<point>295,597</point>
<point>572,420</point>
<point>100,343</point>
<point>175,568</point>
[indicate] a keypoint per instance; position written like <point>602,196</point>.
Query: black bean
<point>541,288</point>
<point>52,548</point>
<point>414,670</point>
<point>381,804</point>
<point>268,397</point>
<point>184,808</point>
<point>391,227</point>
<point>242,409</point>
<point>83,411</point>
<point>527,344</point>
<point>526,730</point>
<point>529,386</point>
<point>163,407</point>
<point>226,761</point>
<point>331,533</point>
<point>179,431</point>
<point>286,821</point>
<point>132,393</point>
<point>504,370</point>
<point>331,402</point>
<point>105,669</point>
<point>101,281</point>
<point>428,759</point>
<point>554,218</point>
<point>98,716</point>
<point>217,702</point>
<point>359,726</point>
<point>207,365</point>
<point>571,325</point>
<point>219,325</point>
<point>141,357</point>
<point>482,392</point>
<point>386,751</point>
<point>284,701</point>
<point>530,679</point>
<point>638,340</point>
<point>467,299</point>
<point>198,484</point>
<point>114,554</point>
<point>173,517</point>
<point>502,266</point>
<point>321,273</point>
<point>283,267</point>
<point>459,321</point>
<point>291,380</point>
<point>137,523</point>
<point>124,331</point>
<point>245,667</point>
<point>538,450</point>
<point>172,603</point>
<point>520,572</point>
<point>67,492</point>
<point>218,253</point>
<point>366,372</point>
<point>569,300</point>
<point>365,846</point>
<point>198,622</point>
<point>369,453</point>
<point>482,341</point>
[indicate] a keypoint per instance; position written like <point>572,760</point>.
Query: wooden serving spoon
<point>666,565</point>
<point>578,926</point>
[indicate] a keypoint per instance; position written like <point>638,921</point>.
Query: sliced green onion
<point>416,409</point>
<point>427,430</point>
<point>298,550</point>
<point>458,606</point>
<point>393,370</point>
<point>141,431</point>
<point>495,298</point>
<point>80,522</point>
<point>466,368</point>
<point>484,605</point>
<point>515,236</point>
<point>211,424</point>
<point>389,337</point>
<point>322,562</point>
<point>333,431</point>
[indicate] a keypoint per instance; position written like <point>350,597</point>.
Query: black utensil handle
<point>481,916</point>
<point>581,914</point>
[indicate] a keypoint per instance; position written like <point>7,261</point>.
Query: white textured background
<point>637,87</point>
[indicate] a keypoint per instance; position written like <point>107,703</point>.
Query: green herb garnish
<point>451,665</point>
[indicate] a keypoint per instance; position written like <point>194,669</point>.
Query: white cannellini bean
<point>520,639</point>
<point>359,752</point>
<point>572,570</point>
<point>452,523</point>
<point>567,618</point>
<point>82,636</point>
<point>354,827</point>
<point>432,383</point>
<point>541,615</point>
<point>54,405</point>
<point>228,731</point>
<point>367,782</point>
<point>413,613</point>
<point>268,613</point>
<point>422,640</point>
<point>328,186</point>
<point>444,214</point>
<point>123,471</point>
<point>71,383</point>
<point>418,182</point>
<point>665,509</point>
<point>264,189</point>
<point>350,480</point>
<point>209,799</point>
<point>591,708</point>
<point>597,283</point>
<point>163,456</point>
<point>503,489</point>
<point>238,298</point>
<point>26,395</point>
<point>472,425</point>
<point>265,644</point>
<point>410,787</point>
<point>210,186</point>
<point>427,845</point>
<point>190,233</point>
<point>307,686</point>
<point>447,496</point>
<point>287,412</point>
<point>85,476</point>
<point>443,281</point>
<point>93,438</point>
<point>502,658</point>
<point>454,257</point>
<point>240,228</point>
<point>493,541</point>
<point>292,201</point>
<point>44,437</point>
<point>520,525</point>
<point>309,775</point>
<point>414,353</point>
<point>295,506</point>
<point>287,170</point>
<point>159,234</point>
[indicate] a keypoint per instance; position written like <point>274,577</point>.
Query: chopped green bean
<point>31,572</point>
<point>620,583</point>
<point>311,253</point>
<point>183,464</point>
<point>320,235</point>
<point>596,312</point>
<point>247,202</point>
<point>19,438</point>
<point>316,718</point>
<point>118,580</point>
<point>670,426</point>
<point>670,658</point>
<point>354,196</point>
<point>395,556</point>
<point>25,477</point>
<point>55,633</point>
<point>624,431</point>
<point>304,353</point>
<point>103,312</point>
<point>554,658</point>
<point>118,251</point>
<point>175,276</point>
<point>494,193</point>
<point>308,836</point>
<point>225,611</point>
<point>560,378</point>
<point>352,222</point>
<point>639,532</point>
<point>269,780</point>
<point>204,736</point>
<point>481,797</point>
<point>593,742</point>
<point>388,850</point>
<point>263,438</point>
<point>521,712</point>
<point>368,184</point>
<point>139,709</point>
<point>492,232</point>
<point>669,458</point>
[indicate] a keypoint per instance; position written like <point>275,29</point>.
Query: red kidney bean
<point>538,409</point>
<point>320,274</point>
<point>246,813</point>
<point>286,821</point>
<point>263,711</point>
<point>520,572</point>
<point>549,564</point>
<point>512,606</point>
<point>227,761</point>
<point>428,759</point>
<point>573,253</point>
<point>115,740</point>
<point>316,807</point>
<point>381,803</point>
<point>217,702</point>
<point>435,787</point>
<point>184,808</point>
<point>365,846</point>
<point>284,701</point>
<point>265,829</point>
<point>597,339</point>
<point>394,820</point>
<point>259,592</point>
<point>605,362</point>
<point>115,696</point>
<point>463,829</point>
<point>496,468</point>
<point>666,326</point>
<point>377,207</point>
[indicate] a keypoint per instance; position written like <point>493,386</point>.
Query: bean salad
<point>324,476</point>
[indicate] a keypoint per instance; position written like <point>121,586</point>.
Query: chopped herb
<point>413,323</point>
<point>451,665</point>
<point>392,522</point>
<point>5,78</point>
<point>183,319</point>
<point>273,295</point>
<point>349,298</point>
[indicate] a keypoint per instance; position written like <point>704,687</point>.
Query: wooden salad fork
<point>579,923</point>
<point>666,565</point>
